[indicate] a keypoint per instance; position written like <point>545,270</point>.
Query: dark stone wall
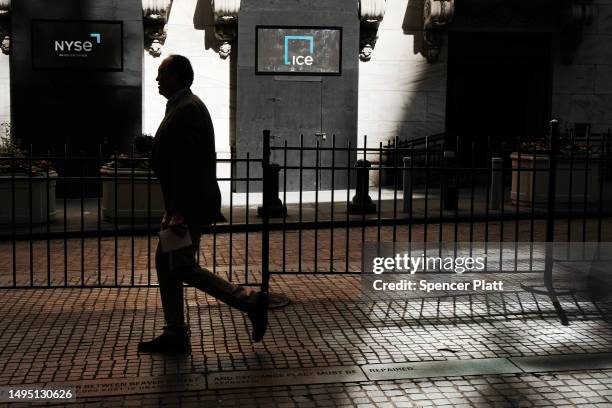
<point>81,109</point>
<point>294,105</point>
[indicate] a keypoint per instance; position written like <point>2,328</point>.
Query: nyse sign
<point>79,45</point>
<point>283,50</point>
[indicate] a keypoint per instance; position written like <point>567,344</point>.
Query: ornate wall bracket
<point>5,26</point>
<point>155,18</point>
<point>437,15</point>
<point>225,14</point>
<point>371,13</point>
<point>576,15</point>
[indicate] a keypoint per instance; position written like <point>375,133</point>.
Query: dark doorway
<point>297,112</point>
<point>499,86</point>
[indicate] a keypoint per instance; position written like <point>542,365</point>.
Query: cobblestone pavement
<point>71,335</point>
<point>89,335</point>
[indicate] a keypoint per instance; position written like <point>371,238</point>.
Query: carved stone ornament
<point>576,15</point>
<point>225,13</point>
<point>437,15</point>
<point>155,18</point>
<point>371,13</point>
<point>5,26</point>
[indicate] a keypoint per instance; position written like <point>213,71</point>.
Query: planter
<point>39,186</point>
<point>533,188</point>
<point>126,189</point>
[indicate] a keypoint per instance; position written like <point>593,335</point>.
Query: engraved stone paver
<point>440,369</point>
<point>565,362</point>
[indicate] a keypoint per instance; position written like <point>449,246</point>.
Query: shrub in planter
<point>129,187</point>
<point>24,181</point>
<point>530,184</point>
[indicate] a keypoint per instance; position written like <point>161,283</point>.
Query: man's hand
<point>177,225</point>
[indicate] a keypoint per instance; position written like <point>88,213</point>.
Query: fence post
<point>497,185</point>
<point>275,206</point>
<point>552,180</point>
<point>550,221</point>
<point>362,202</point>
<point>275,300</point>
<point>450,196</point>
<point>607,153</point>
<point>265,231</point>
<point>407,184</point>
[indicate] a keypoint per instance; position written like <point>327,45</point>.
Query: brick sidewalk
<point>73,335</point>
<point>89,336</point>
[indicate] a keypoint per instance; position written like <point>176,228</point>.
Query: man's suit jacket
<point>184,161</point>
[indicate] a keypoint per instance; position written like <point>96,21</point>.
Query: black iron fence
<point>310,211</point>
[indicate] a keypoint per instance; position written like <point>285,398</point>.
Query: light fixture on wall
<point>155,18</point>
<point>371,13</point>
<point>5,26</point>
<point>225,13</point>
<point>437,15</point>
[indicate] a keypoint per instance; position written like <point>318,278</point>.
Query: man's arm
<point>186,162</point>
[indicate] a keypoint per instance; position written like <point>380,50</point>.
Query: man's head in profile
<point>174,73</point>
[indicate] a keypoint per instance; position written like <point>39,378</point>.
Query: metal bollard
<point>407,184</point>
<point>276,208</point>
<point>362,202</point>
<point>450,195</point>
<point>497,187</point>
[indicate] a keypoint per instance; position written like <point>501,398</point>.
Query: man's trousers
<point>176,267</point>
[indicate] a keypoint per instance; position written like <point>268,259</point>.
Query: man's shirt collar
<point>178,95</point>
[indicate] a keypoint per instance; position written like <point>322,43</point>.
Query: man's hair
<point>181,67</point>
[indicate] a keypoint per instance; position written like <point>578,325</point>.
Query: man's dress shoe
<point>166,343</point>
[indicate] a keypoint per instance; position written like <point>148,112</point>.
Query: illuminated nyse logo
<point>299,59</point>
<point>65,46</point>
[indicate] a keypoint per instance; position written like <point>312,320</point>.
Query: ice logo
<point>299,59</point>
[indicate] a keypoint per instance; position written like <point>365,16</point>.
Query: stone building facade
<point>412,75</point>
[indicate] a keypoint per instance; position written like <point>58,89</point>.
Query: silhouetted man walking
<point>183,159</point>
